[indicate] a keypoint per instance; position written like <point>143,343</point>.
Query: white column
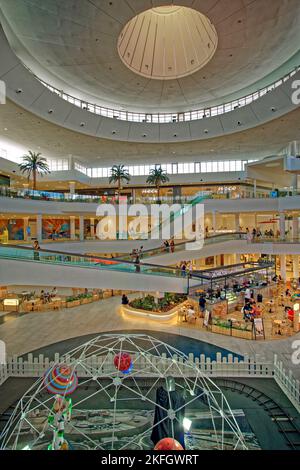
<point>237,222</point>
<point>282,225</point>
<point>296,267</point>
<point>255,220</point>
<point>72,186</point>
<point>26,224</point>
<point>81,228</point>
<point>214,221</point>
<point>72,228</point>
<point>283,267</point>
<point>92,225</point>
<point>39,222</point>
<point>295,233</point>
<point>295,183</point>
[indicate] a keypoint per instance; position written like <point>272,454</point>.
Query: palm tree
<point>118,175</point>
<point>157,177</point>
<point>34,164</point>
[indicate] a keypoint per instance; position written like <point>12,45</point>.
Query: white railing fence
<point>221,367</point>
<point>288,384</point>
<point>229,366</point>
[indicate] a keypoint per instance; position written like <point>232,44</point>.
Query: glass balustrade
<point>83,261</point>
<point>82,198</point>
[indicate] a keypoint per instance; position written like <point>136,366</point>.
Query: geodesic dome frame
<point>152,362</point>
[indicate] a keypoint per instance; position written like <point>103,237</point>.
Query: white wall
<point>38,274</point>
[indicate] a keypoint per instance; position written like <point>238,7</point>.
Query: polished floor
<point>37,330</point>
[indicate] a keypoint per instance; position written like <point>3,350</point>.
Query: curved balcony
<point>162,118</point>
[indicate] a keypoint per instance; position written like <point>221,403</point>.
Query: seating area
<point>38,300</point>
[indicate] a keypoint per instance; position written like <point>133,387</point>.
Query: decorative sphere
<point>168,443</point>
<point>61,380</point>
<point>123,362</point>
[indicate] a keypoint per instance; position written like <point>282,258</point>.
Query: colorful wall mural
<point>56,228</point>
<point>11,229</point>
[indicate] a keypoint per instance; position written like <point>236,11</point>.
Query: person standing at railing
<point>36,248</point>
<point>137,264</point>
<point>141,252</point>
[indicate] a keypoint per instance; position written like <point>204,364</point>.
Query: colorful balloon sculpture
<point>60,414</point>
<point>123,362</point>
<point>61,380</point>
<point>168,443</point>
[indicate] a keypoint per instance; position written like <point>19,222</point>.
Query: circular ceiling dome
<point>166,43</point>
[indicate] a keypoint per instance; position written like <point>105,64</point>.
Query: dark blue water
<point>182,343</point>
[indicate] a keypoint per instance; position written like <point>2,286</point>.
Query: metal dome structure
<point>101,396</point>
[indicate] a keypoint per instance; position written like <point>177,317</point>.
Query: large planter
<point>74,303</point>
<point>159,316</point>
<point>96,297</point>
<point>220,330</point>
<point>243,334</point>
<point>86,301</point>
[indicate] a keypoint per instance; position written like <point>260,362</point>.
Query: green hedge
<point>168,302</point>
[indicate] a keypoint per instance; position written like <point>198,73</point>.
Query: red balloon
<point>168,443</point>
<point>122,362</point>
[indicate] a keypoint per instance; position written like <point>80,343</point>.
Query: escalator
<point>21,265</point>
<point>183,246</point>
<point>156,232</point>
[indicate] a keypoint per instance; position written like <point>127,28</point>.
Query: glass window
<point>238,165</point>
<point>203,167</point>
<point>186,168</point>
<point>215,167</point>
<point>232,166</point>
<point>226,166</point>
<point>180,168</point>
<point>169,168</point>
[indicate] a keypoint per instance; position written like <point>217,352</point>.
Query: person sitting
<point>246,310</point>
<point>191,316</point>
<point>125,300</point>
<point>54,292</point>
<point>289,312</point>
<point>42,296</point>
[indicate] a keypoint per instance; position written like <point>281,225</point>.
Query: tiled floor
<point>36,330</point>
